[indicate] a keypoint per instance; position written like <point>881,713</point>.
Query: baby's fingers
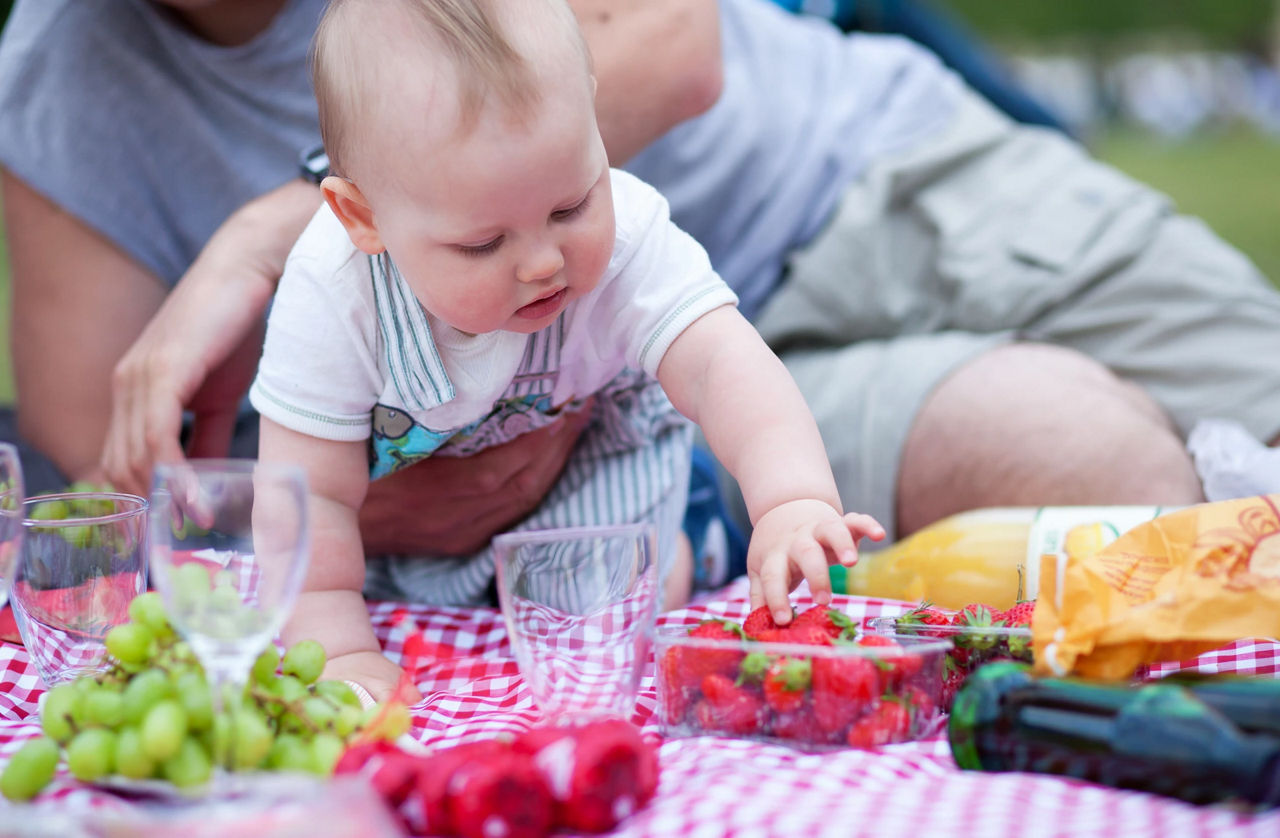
<point>809,556</point>
<point>775,586</point>
<point>861,525</point>
<point>838,541</point>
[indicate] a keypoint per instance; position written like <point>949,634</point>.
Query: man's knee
<point>1034,425</point>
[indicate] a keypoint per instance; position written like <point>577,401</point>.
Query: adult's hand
<point>200,351</point>
<point>454,505</point>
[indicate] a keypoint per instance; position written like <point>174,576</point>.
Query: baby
<point>479,269</point>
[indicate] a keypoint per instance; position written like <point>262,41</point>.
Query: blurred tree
<point>1237,24</point>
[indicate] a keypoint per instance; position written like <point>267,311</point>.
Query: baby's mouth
<point>543,306</point>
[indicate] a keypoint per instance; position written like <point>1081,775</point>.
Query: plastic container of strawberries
<point>971,647</point>
<point>812,697</point>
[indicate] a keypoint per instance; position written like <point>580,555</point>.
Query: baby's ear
<point>349,204</point>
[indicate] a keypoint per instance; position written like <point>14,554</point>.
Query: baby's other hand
<point>372,670</point>
<point>798,540</point>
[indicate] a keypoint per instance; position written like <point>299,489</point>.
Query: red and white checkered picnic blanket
<point>716,786</point>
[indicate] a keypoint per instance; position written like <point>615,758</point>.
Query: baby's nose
<point>541,263</point>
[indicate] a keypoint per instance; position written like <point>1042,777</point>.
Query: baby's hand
<point>371,670</point>
<point>799,540</point>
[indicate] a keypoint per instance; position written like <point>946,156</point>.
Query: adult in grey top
<point>967,303</point>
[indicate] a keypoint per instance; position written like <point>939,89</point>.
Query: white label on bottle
<point>1097,526</point>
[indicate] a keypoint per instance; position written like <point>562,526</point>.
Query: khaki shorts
<point>994,232</point>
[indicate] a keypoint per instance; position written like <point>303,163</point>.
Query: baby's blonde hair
<point>470,35</point>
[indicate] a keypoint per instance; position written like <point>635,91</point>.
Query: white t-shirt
<point>350,352</point>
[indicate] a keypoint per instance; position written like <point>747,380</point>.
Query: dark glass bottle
<point>1203,740</point>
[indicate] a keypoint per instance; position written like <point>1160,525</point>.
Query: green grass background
<point>1228,178</point>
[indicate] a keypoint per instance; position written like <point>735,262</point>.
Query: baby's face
<point>503,226</point>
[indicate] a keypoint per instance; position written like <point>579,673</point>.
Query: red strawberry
<point>805,635</point>
<point>842,686</point>
<point>599,772</point>
<point>888,721</point>
<point>728,707</point>
<point>758,621</point>
<point>920,620</point>
<point>980,617</point>
<point>975,614</point>
<point>700,662</point>
<point>1019,615</point>
<point>920,702</point>
<point>391,771</point>
<point>953,675</point>
<point>799,725</point>
<point>898,666</point>
<point>674,685</point>
<point>830,620</point>
<point>434,776</point>
<point>503,793</point>
<point>786,683</point>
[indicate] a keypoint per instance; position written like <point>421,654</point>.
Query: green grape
<point>339,691</point>
<point>196,699</point>
<point>290,753</point>
<point>264,668</point>
<point>304,660</point>
<point>325,750</point>
<point>104,706</point>
<point>49,510</point>
<point>130,643</point>
<point>217,738</point>
<point>163,730</point>
<point>144,691</point>
<point>191,582</point>
<point>288,689</point>
<point>30,769</point>
<point>189,766</point>
<point>252,739</point>
<point>147,609</point>
<point>319,711</point>
<point>90,754</point>
<point>131,760</point>
<point>58,711</point>
<point>77,535</point>
<point>347,720</point>
<point>86,688</point>
<point>225,599</point>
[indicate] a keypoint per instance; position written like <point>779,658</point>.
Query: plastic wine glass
<point>12,495</point>
<point>229,545</point>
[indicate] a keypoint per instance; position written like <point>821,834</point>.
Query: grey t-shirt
<point>146,133</point>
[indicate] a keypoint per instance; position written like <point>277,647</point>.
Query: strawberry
<point>699,662</point>
<point>1019,615</point>
<point>672,682</point>
<point>727,706</point>
<point>503,793</point>
<point>799,725</point>
<point>759,620</point>
<point>805,635</point>
<point>431,794</point>
<point>599,772</point>
<point>786,682</point>
<point>953,675</point>
<point>841,687</point>
<point>830,620</point>
<point>980,617</point>
<point>926,621</point>
<point>391,771</point>
<point>898,666</point>
<point>888,721</point>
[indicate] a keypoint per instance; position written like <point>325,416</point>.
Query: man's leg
<point>1032,425</point>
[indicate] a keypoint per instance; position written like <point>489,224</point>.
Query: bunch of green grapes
<point>150,715</point>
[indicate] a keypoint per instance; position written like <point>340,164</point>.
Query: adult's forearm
<point>657,63</point>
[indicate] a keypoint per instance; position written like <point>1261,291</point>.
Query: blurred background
<point>1183,94</point>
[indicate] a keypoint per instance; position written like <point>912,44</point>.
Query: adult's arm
<point>78,303</point>
<point>657,63</point>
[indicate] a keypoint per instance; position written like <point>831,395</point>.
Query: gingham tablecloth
<point>714,786</point>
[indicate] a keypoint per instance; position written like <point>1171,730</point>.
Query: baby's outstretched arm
<point>720,373</point>
<point>331,608</point>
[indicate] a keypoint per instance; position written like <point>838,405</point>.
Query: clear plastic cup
<point>580,605</point>
<point>84,559</point>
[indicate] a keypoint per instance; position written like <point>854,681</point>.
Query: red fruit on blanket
<point>436,771</point>
<point>699,663</point>
<point>833,622</point>
<point>728,707</point>
<point>842,687</point>
<point>759,620</point>
<point>923,618</point>
<point>786,683</point>
<point>392,772</point>
<point>1019,616</point>
<point>598,773</point>
<point>888,721</point>
<point>500,794</point>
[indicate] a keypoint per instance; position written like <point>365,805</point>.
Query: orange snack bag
<point>1169,589</point>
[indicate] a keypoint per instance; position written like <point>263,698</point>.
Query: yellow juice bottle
<point>986,555</point>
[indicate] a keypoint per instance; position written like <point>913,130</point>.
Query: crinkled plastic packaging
<point>1175,587</point>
